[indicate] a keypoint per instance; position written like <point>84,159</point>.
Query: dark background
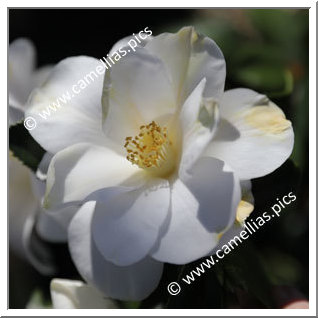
<point>265,50</point>
<point>62,33</point>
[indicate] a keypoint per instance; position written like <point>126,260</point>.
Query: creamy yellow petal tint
<point>268,119</point>
<point>246,206</point>
<point>151,149</point>
<point>244,209</point>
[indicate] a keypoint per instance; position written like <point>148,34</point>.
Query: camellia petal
<point>200,209</point>
<point>126,226</point>
<point>199,120</point>
<point>52,225</point>
<point>227,236</point>
<point>23,207</point>
<point>22,203</point>
<point>20,68</point>
<point>190,57</point>
<point>244,209</point>
<point>174,50</point>
<point>206,61</point>
<point>122,43</point>
<point>22,77</point>
<point>256,137</point>
<point>40,75</point>
<point>74,294</point>
<point>67,108</point>
<point>133,282</point>
<point>79,170</point>
<point>246,205</point>
<point>41,175</point>
<point>136,91</point>
<point>15,115</point>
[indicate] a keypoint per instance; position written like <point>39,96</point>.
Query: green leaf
<point>38,301</point>
<point>24,147</point>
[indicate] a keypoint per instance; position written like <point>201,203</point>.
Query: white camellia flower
<point>74,294</point>
<point>24,206</point>
<point>154,154</point>
<point>25,191</point>
<point>26,216</point>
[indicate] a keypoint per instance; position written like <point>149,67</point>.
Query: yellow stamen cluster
<point>150,148</point>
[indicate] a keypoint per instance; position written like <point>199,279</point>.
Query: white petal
<point>228,235</point>
<point>174,50</point>
<point>199,119</point>
<point>39,180</point>
<point>82,169</point>
<point>206,61</point>
<point>64,117</point>
<point>246,205</point>
<point>22,202</point>
<point>190,57</point>
<point>124,43</point>
<point>23,207</point>
<point>15,115</point>
<point>244,209</point>
<point>200,209</point>
<point>74,294</point>
<point>190,110</point>
<point>22,77</point>
<point>36,251</point>
<point>254,137</point>
<point>21,65</point>
<point>134,282</point>
<point>52,225</point>
<point>40,75</point>
<point>136,92</point>
<point>126,226</point>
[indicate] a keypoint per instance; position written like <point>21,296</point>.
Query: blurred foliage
<point>265,50</point>
<point>38,301</point>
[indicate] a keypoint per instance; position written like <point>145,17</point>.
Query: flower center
<point>151,149</point>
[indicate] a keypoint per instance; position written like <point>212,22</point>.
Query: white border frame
<point>312,162</point>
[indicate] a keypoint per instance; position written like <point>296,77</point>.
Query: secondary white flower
<point>25,191</point>
<point>26,216</point>
<point>136,152</point>
<point>24,201</point>
<point>74,294</point>
<point>23,77</point>
<point>24,205</point>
